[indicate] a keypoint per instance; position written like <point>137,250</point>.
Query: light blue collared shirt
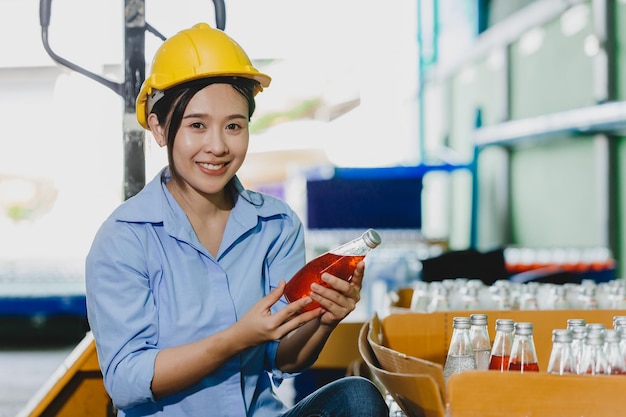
<point>151,285</point>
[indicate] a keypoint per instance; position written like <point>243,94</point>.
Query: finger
<point>337,284</point>
<point>274,295</point>
<point>357,275</point>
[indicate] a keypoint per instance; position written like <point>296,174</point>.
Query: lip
<point>214,169</point>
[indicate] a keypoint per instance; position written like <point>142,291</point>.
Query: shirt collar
<point>155,204</point>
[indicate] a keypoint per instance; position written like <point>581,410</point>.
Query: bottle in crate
<point>523,352</point>
<point>502,344</point>
<point>460,353</point>
<point>481,343</point>
<point>562,359</point>
<point>579,334</point>
<point>593,361</point>
<point>340,262</point>
<point>613,353</point>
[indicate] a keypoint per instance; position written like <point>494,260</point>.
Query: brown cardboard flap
<point>393,361</point>
<point>417,394</point>
<point>496,394</point>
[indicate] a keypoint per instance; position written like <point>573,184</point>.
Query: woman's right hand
<point>260,325</point>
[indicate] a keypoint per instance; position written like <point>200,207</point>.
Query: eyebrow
<point>202,115</point>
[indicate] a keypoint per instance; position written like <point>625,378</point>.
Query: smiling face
<point>211,143</point>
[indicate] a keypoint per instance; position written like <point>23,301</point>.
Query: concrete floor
<point>23,371</point>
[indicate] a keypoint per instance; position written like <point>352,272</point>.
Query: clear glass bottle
<point>481,343</point>
<point>621,331</point>
<point>523,352</point>
<point>469,300</point>
<point>528,297</point>
<point>420,297</point>
<point>558,300</point>
<point>562,360</point>
<point>587,298</point>
<point>613,353</point>
<point>460,353</point>
<point>576,322</point>
<point>502,298</point>
<point>593,361</point>
<point>579,334</point>
<point>339,261</point>
<point>439,297</point>
<point>502,344</point>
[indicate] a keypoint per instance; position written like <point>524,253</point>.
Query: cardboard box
<point>406,353</point>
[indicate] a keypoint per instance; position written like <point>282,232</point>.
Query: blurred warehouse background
<point>466,125</point>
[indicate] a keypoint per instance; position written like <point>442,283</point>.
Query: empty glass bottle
<point>460,353</point>
<point>593,361</point>
<point>502,344</point>
<point>579,334</point>
<point>562,360</point>
<point>339,262</point>
<point>481,344</point>
<point>439,298</point>
<point>613,353</point>
<point>558,298</point>
<point>523,352</point>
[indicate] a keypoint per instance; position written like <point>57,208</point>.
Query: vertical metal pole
<point>134,75</point>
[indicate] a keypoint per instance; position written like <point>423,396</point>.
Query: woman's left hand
<point>341,298</point>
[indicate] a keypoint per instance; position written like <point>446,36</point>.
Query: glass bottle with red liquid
<point>523,352</point>
<point>502,344</point>
<point>340,262</point>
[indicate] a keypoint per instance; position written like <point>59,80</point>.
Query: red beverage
<point>524,367</point>
<point>499,363</point>
<point>341,266</point>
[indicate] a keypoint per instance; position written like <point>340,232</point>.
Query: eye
<point>233,126</point>
<point>197,125</point>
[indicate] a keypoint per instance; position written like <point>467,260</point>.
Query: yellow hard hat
<point>197,52</point>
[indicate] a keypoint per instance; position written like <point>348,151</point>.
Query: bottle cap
<point>575,322</point>
<point>524,328</point>
<point>478,319</point>
<point>371,238</point>
<point>579,332</point>
<point>461,322</point>
<point>562,335</point>
<point>611,335</point>
<point>504,324</point>
<point>594,338</point>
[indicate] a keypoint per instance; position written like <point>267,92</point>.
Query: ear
<point>157,130</point>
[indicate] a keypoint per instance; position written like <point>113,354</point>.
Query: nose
<point>215,143</point>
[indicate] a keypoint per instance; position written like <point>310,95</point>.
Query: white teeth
<point>212,167</point>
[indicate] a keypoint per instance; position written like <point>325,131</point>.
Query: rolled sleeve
<point>122,315</point>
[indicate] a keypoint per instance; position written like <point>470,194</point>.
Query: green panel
<point>479,85</point>
<point>493,202</point>
<point>501,9</point>
<point>620,58</point>
<point>620,49</point>
<point>553,194</point>
<point>557,75</point>
<point>621,207</point>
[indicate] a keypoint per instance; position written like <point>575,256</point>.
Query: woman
<point>185,280</point>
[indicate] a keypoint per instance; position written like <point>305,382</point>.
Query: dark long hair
<point>171,108</point>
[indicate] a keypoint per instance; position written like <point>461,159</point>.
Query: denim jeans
<point>352,396</point>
